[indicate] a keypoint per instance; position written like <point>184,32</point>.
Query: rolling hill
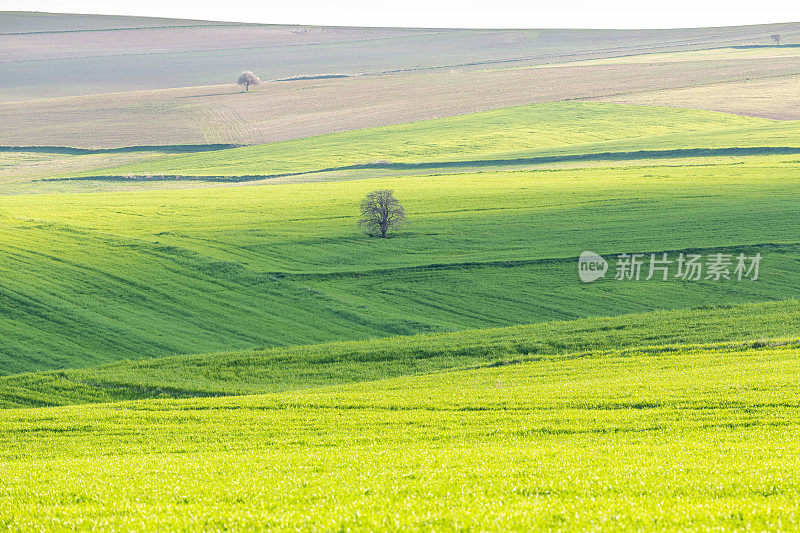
<point>102,276</point>
<point>648,438</point>
<point>323,365</point>
<point>96,54</point>
<point>195,334</point>
<point>168,82</point>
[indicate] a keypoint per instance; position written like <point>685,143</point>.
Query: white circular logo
<point>591,267</point>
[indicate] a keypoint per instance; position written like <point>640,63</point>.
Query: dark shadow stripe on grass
<point>764,248</point>
<point>469,164</point>
<point>597,156</point>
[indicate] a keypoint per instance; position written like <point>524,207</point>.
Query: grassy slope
<point>528,131</point>
<point>644,439</point>
<point>544,135</point>
<point>99,277</point>
<point>300,367</point>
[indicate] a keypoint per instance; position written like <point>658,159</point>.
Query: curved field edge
<point>322,365</point>
<point>554,135</point>
<point>96,278</point>
<point>644,439</point>
<point>522,132</point>
<point>559,133</point>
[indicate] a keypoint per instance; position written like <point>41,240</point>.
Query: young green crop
<point>100,277</point>
<point>306,367</point>
<point>526,131</point>
<point>94,278</point>
<point>645,439</point>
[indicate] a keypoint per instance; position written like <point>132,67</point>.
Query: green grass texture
<point>314,366</point>
<point>656,439</point>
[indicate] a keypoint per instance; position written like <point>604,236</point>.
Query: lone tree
<point>247,78</point>
<point>380,211</point>
<point>777,38</point>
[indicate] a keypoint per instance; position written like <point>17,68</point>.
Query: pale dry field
<point>194,38</point>
<point>713,54</point>
<point>775,98</point>
<point>395,76</point>
<point>168,54</point>
<point>26,22</point>
<point>287,110</point>
<point>17,166</point>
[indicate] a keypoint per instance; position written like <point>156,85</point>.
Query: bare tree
<point>776,37</point>
<point>247,78</point>
<point>380,211</point>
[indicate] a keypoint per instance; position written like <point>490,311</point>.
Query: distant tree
<point>247,78</point>
<point>777,38</point>
<point>380,212</point>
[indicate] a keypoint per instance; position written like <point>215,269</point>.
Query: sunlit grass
<point>659,439</point>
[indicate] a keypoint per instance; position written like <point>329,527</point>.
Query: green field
<point>306,367</point>
<point>503,135</point>
<point>104,276</point>
<point>196,335</point>
<point>645,439</point>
